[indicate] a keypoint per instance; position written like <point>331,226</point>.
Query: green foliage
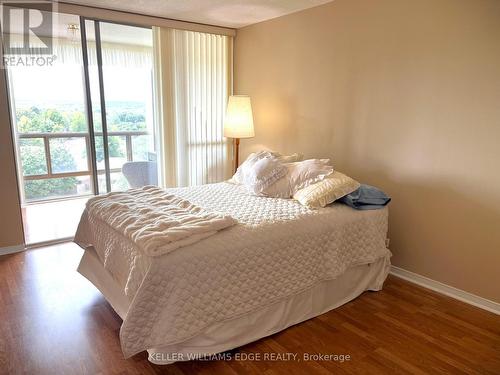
<point>122,116</point>
<point>116,147</point>
<point>33,154</point>
<point>78,122</point>
<point>126,121</point>
<point>35,120</point>
<point>62,159</point>
<point>40,189</point>
<point>33,161</point>
<point>33,157</point>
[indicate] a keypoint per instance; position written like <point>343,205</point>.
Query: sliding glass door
<point>79,118</point>
<point>119,60</point>
<point>51,127</point>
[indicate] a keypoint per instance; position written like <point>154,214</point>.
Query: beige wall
<point>402,94</point>
<point>11,230</point>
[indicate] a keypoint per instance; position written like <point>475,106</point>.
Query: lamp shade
<point>238,122</point>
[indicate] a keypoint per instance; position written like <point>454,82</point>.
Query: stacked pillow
<point>245,168</point>
<point>263,174</point>
<point>312,182</point>
<point>326,191</point>
<point>298,176</point>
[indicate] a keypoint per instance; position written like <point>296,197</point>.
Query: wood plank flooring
<point>53,321</point>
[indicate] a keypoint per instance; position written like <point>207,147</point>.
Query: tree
<point>33,162</point>
<point>50,120</point>
<point>127,120</point>
<point>77,122</point>
<point>47,121</point>
<point>114,147</point>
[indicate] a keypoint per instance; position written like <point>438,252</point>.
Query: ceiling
<point>110,32</point>
<point>227,13</point>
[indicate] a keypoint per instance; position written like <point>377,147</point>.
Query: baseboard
<point>49,243</point>
<point>11,249</point>
<point>447,290</point>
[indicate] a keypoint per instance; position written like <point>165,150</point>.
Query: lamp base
<point>236,153</point>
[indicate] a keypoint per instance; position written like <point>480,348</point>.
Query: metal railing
<point>88,172</point>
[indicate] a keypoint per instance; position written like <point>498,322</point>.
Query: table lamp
<point>238,122</point>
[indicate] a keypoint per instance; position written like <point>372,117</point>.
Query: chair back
<point>140,173</point>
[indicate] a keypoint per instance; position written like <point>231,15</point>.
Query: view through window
<point>50,111</point>
<point>57,111</point>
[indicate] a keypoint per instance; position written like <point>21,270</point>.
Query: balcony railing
<point>84,167</point>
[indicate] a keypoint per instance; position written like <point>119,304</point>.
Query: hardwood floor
<point>53,321</point>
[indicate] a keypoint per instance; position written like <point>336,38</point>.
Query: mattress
<point>278,249</point>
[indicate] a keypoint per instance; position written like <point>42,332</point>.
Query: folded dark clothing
<point>366,198</point>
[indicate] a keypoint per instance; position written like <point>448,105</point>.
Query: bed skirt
<point>263,322</point>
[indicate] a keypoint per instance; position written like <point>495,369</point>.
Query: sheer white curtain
<point>193,81</point>
<point>113,54</point>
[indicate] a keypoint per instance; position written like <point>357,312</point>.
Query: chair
<point>140,173</point>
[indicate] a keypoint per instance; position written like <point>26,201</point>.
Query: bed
<point>281,264</point>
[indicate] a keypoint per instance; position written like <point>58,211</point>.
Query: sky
<point>64,84</point>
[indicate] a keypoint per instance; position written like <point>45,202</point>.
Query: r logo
<point>27,27</point>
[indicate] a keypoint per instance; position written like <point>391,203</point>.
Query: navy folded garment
<point>366,198</point>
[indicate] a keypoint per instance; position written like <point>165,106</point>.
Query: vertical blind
<point>193,70</point>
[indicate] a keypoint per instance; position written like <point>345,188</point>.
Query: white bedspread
<point>156,221</point>
<point>278,248</point>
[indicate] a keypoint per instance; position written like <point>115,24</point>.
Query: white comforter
<point>156,221</point>
<point>277,249</point>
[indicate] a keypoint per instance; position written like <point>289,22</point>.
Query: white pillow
<point>292,158</point>
<point>263,173</point>
<point>299,175</point>
<point>328,190</point>
<point>247,165</point>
